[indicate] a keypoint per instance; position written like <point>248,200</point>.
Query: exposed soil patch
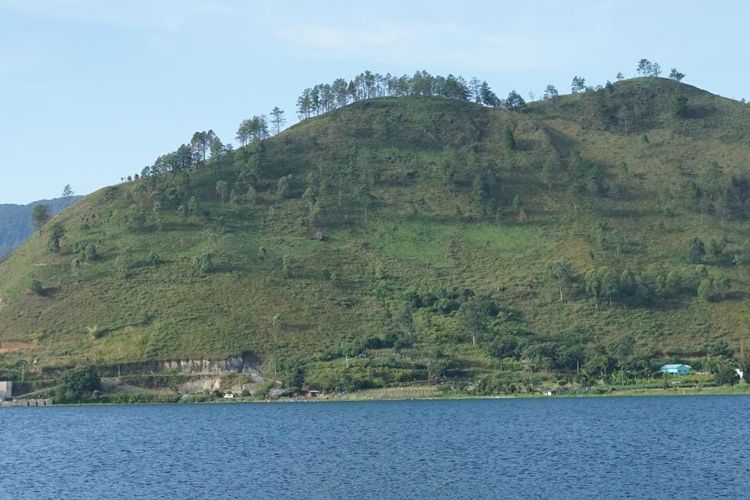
<point>16,346</point>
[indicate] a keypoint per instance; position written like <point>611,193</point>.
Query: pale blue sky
<point>93,90</point>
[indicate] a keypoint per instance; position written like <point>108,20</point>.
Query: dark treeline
<point>202,146</point>
<point>325,97</point>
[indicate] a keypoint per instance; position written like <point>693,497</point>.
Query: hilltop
<point>411,240</point>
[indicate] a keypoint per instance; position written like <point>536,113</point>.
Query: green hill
<point>415,240</point>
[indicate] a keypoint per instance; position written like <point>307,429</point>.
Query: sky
<point>94,90</point>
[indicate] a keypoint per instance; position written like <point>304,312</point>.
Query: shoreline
<point>402,394</point>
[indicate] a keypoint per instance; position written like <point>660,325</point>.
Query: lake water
<point>656,447</point>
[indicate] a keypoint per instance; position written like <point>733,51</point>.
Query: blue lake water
<point>656,447</point>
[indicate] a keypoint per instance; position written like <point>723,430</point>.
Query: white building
<point>6,390</point>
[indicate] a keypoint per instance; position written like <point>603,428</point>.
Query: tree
<point>697,251</point>
<point>726,376</point>
<point>479,193</point>
<point>286,266</point>
<point>364,188</point>
<point>550,92</point>
<point>475,89</point>
<point>508,140</point>
<point>578,84</point>
<point>192,206</point>
<point>676,75</point>
<point>602,283</point>
<point>706,290</point>
<point>40,214</point>
<point>647,68</point>
<point>305,104</point>
<point>75,383</point>
<point>717,250</point>
<point>282,187</point>
<point>339,89</point>
<point>182,158</point>
<point>515,102</point>
<point>252,129</point>
<point>37,287</point>
<point>473,315</point>
<point>644,67</point>
<point>204,262</point>
<point>620,76</point>
<point>55,235</point>
<point>67,191</point>
<point>199,146</point>
<point>277,119</point>
<point>455,88</point>
<point>679,106</point>
<point>560,274</point>
<point>222,189</point>
<point>609,283</point>
<point>487,96</point>
<point>216,147</point>
<point>721,287</point>
<point>551,168</point>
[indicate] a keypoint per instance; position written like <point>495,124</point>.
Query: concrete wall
<point>26,403</point>
<point>6,389</point>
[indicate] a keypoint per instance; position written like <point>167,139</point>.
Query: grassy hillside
<point>412,240</point>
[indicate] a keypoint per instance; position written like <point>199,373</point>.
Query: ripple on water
<point>560,448</point>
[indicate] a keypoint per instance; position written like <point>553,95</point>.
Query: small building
<point>279,393</point>
<point>676,369</point>
<point>309,392</point>
<point>229,395</point>
<point>6,390</point>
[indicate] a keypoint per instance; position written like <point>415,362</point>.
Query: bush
<point>94,332</point>
<point>37,288</point>
<point>153,259</point>
<point>204,263</point>
<point>726,376</point>
<point>77,383</point>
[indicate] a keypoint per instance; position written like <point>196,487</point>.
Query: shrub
<point>37,288</point>
<point>726,376</point>
<point>204,262</point>
<point>77,383</point>
<point>153,259</point>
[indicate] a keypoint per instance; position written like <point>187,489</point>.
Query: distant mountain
<point>15,221</point>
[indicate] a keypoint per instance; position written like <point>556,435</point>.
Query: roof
<point>675,366</point>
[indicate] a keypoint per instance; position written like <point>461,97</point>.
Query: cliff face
<point>245,364</point>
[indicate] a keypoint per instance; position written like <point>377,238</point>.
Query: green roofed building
<point>676,369</point>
